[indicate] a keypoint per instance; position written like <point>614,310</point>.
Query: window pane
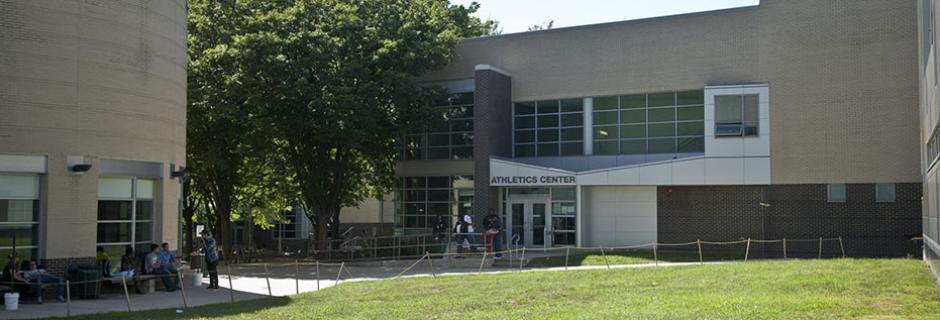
<point>19,210</point>
<point>462,152</point>
<point>750,129</point>
<point>633,131</point>
<point>549,106</point>
<point>438,209</point>
<point>144,189</point>
<point>691,145</point>
<point>525,108</point>
<point>572,134</point>
<point>662,130</point>
<point>691,128</point>
<point>836,192</point>
<point>442,195</point>
<point>26,186</point>
<point>572,105</point>
<point>727,108</point>
<point>885,192</point>
<point>437,140</point>
<point>571,120</point>
<point>667,114</point>
<point>114,210</point>
<point>26,235</point>
<point>144,210</point>
<point>633,116</point>
<point>462,138</point>
<point>691,113</point>
<point>549,121</point>
<point>750,100</point>
<point>439,153</point>
<point>114,188</point>
<point>609,132</point>
<point>438,182</point>
<point>414,208</point>
<point>605,147</point>
<point>461,98</point>
<point>563,194</point>
<point>602,118</point>
<point>633,146</point>
<point>547,135</point>
<point>572,148</point>
<point>691,97</point>
<point>145,232</point>
<point>415,182</point>
<point>525,151</point>
<point>548,150</point>
<point>525,136</point>
<point>662,99</point>
<point>634,101</point>
<point>605,103</point>
<point>461,125</point>
<point>750,112</point>
<point>114,232</point>
<point>460,112</point>
<point>662,145</point>
<point>733,129</point>
<point>414,195</point>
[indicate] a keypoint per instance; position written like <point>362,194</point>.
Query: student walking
<point>494,227</point>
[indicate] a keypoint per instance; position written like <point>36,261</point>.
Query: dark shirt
<point>129,262</point>
<point>492,222</point>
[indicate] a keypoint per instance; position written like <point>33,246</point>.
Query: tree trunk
<point>224,238</point>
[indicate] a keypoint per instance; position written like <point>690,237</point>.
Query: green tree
<point>333,85</point>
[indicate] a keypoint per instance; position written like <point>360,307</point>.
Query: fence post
<point>820,248</point>
<point>318,275</point>
<point>340,273</point>
<point>267,279</point>
<point>297,275</point>
<point>784,248</point>
<point>231,288</point>
<point>482,262</point>
<point>567,253</point>
<point>68,299</point>
<point>605,258</point>
<point>179,276</point>
<point>841,247</point>
<point>430,264</point>
<point>655,254</point>
<point>522,260</point>
<point>127,297</point>
<point>699,243</point>
<point>375,251</point>
<point>747,251</point>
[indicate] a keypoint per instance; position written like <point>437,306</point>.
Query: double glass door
<point>528,221</point>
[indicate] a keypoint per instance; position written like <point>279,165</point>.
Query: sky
<point>518,15</point>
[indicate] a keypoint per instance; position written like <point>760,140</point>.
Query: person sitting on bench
<point>10,276</point>
<point>152,266</point>
<point>34,273</point>
<point>130,267</point>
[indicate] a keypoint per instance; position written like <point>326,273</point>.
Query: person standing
<point>494,226</point>
<point>212,258</point>
<point>440,233</point>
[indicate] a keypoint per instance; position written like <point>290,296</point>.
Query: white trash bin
<point>197,279</point>
<point>11,301</point>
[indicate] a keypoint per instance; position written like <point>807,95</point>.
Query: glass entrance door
<point>528,221</point>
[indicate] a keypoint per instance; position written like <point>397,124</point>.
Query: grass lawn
<point>792,289</point>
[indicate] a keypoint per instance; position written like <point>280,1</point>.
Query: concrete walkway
<point>250,283</point>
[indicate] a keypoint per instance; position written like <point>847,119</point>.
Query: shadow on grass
<point>206,311</point>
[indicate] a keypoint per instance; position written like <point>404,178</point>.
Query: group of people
<point>464,233</point>
<point>30,273</point>
<point>160,260</point>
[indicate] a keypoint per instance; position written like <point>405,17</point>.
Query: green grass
<point>594,258</point>
<point>792,289</point>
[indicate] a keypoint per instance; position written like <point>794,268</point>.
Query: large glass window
<point>655,123</point>
<point>419,201</point>
<point>736,115</point>
<point>19,215</point>
<point>836,192</point>
<point>452,138</point>
<point>125,215</point>
<point>549,128</point>
<point>288,227</point>
<point>564,216</point>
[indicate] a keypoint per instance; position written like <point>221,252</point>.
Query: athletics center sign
<point>534,180</point>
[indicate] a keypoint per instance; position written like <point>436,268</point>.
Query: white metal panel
<point>617,216</point>
<point>22,163</point>
<point>19,186</point>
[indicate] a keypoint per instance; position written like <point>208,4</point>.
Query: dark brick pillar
<point>492,132</point>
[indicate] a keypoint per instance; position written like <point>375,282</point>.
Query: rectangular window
<point>885,192</point>
<point>451,137</point>
<point>442,196</point>
<point>737,115</point>
<point>125,214</point>
<point>555,129</point>
<point>836,192</point>
<point>651,124</point>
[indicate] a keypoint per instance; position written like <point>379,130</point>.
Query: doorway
<point>528,219</point>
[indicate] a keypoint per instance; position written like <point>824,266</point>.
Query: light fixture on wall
<point>77,165</point>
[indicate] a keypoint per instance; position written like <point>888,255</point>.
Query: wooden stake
<point>231,288</point>
<point>567,253</point>
<point>700,259</point>
<point>340,273</point>
<point>182,289</point>
<point>655,254</point>
<point>127,297</point>
<point>784,248</point>
<point>430,264</point>
<point>605,258</point>
<point>68,299</point>
<point>841,247</point>
<point>747,251</point>
<point>267,279</point>
<point>297,276</point>
<point>820,248</point>
<point>318,275</point>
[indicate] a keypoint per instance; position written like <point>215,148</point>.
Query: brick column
<point>492,132</point>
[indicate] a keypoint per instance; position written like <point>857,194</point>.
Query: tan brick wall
<point>102,79</point>
<point>842,76</point>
